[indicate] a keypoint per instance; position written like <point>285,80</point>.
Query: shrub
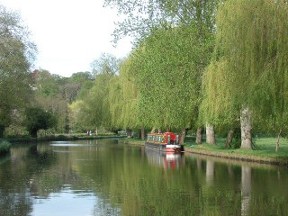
<point>4,147</point>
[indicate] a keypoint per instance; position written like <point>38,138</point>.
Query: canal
<point>106,177</point>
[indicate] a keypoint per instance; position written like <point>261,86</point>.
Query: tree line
<point>30,101</point>
<point>219,65</point>
<point>216,64</point>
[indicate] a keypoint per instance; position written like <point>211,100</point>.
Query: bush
<point>4,147</point>
<point>38,118</point>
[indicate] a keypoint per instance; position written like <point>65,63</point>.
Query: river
<point>107,177</point>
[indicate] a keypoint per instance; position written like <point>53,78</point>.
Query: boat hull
<point>169,148</point>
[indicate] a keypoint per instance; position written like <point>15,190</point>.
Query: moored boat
<point>167,142</point>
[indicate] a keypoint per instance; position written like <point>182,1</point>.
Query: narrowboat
<point>167,142</point>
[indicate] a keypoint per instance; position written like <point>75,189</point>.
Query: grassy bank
<point>133,141</point>
<point>263,153</point>
<point>4,147</point>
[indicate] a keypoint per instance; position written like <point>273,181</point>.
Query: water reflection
<point>209,171</point>
<point>163,159</point>
<point>255,185</point>
<point>245,189</point>
<point>107,178</point>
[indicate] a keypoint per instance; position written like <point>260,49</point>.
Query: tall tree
<point>37,118</point>
<point>251,54</point>
<point>179,41</point>
<point>106,63</point>
<point>140,18</point>
<point>51,94</point>
<point>16,56</point>
<point>130,95</point>
<point>93,110</point>
<point>168,78</point>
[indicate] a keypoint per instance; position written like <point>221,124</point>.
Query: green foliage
<point>251,64</point>
<point>16,55</point>
<point>80,83</point>
<point>106,63</point>
<point>54,93</point>
<point>167,68</point>
<point>4,146</point>
<point>174,40</point>
<point>141,17</point>
<point>93,110</point>
<point>37,118</point>
<point>217,105</point>
<point>97,102</point>
<point>124,98</point>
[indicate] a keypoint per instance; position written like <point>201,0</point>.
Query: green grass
<point>133,141</point>
<point>264,150</point>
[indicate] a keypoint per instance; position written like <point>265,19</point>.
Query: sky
<point>69,34</point>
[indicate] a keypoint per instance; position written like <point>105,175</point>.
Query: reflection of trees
<point>139,188</point>
<point>209,171</point>
<point>245,189</point>
<point>55,175</point>
<point>15,175</point>
<point>262,188</point>
<point>15,203</point>
<point>269,192</point>
<point>125,183</point>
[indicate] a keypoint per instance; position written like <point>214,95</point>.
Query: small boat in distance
<point>167,142</point>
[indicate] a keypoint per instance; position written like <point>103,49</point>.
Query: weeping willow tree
<point>140,19</point>
<point>130,94</point>
<point>123,96</point>
<point>168,76</point>
<point>93,111</point>
<point>252,47</point>
<point>216,106</point>
<point>115,101</point>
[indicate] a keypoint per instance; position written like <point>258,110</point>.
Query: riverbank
<point>61,137</point>
<point>237,154</point>
<point>264,152</point>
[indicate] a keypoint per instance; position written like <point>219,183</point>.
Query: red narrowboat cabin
<point>168,142</point>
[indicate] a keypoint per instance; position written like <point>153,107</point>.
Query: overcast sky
<point>69,34</point>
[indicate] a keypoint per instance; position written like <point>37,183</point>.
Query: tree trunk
<point>199,136</point>
<point>33,133</point>
<point>142,133</point>
<point>229,138</point>
<point>129,133</point>
<point>210,136</point>
<point>278,141</point>
<point>182,137</point>
<point>2,129</point>
<point>245,122</point>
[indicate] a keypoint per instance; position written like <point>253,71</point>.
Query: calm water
<point>105,177</point>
